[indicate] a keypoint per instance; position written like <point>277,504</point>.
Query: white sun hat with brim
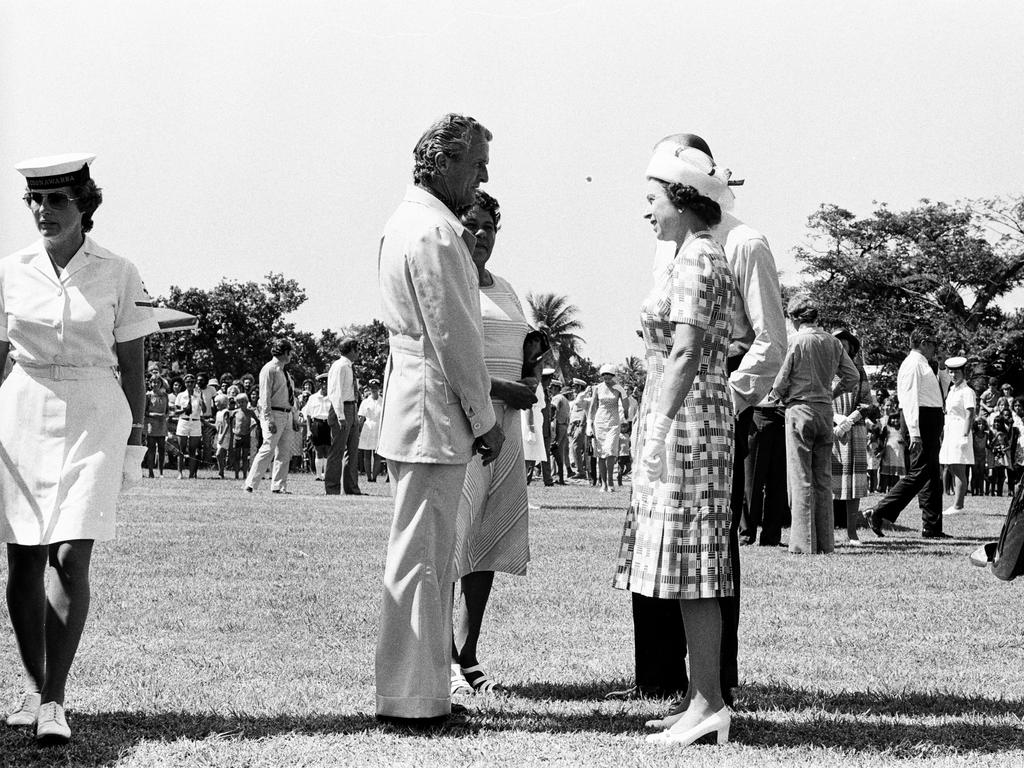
<point>607,368</point>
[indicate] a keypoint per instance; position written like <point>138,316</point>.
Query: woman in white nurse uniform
<point>957,450</point>
<point>73,316</point>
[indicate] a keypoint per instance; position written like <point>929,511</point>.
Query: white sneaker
<point>855,542</point>
<point>953,511</point>
<point>26,713</point>
<point>51,725</point>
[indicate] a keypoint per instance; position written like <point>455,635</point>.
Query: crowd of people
<point>739,426</point>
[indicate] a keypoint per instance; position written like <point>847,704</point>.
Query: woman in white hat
<point>609,400</point>
<point>74,318</point>
<point>957,451</point>
<point>675,543</point>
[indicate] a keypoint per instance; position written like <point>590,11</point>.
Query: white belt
<point>69,372</point>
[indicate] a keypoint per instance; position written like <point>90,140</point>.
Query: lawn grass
<point>238,630</point>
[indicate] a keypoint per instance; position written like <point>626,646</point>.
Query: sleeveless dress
<point>675,542</point>
<point>607,420</point>
<point>492,529</point>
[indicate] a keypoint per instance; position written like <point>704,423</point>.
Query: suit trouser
<point>578,448</point>
<point>809,462</point>
<point>923,479</point>
<point>660,641</point>
<point>765,470</point>
<point>415,643</point>
<point>343,458</point>
<point>560,454</point>
<point>276,447</point>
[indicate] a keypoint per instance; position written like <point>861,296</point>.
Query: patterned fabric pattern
<point>850,457</point>
<point>492,533</point>
<point>675,542</point>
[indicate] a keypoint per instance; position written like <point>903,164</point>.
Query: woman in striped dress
<point>850,442</point>
<point>492,526</point>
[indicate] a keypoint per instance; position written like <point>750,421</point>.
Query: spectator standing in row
<point>243,427</point>
<point>560,409</point>
<point>317,415</point>
<point>190,408</point>
<point>342,468</point>
<point>369,430</point>
<point>578,429</point>
<point>157,407</point>
<point>767,502</point>
<point>276,410</point>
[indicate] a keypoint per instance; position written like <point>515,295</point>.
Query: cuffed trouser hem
<point>391,706</point>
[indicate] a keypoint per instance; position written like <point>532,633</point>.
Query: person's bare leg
<point>702,621</point>
<point>26,604</point>
<point>476,590</point>
<point>67,607</point>
<point>959,484</point>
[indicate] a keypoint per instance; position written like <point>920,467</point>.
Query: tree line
<point>882,275</point>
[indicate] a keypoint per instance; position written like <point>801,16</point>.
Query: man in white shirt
<point>920,396</point>
<point>317,413</point>
<point>342,468</point>
<point>578,429</point>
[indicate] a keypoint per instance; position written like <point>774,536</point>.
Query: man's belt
<point>285,410</point>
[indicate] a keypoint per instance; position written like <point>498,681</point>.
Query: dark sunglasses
<point>58,201</point>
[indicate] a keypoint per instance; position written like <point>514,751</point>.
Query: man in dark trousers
<point>342,470</point>
<point>755,356</point>
<point>920,396</point>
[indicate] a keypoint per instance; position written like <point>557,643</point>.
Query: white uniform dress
<point>64,420</point>
<point>956,448</point>
<point>370,410</point>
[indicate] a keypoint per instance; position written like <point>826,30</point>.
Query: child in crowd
<point>225,424</point>
<point>892,466</point>
<point>242,428</point>
<point>625,457</point>
<point>980,437</point>
<point>876,447</point>
<point>998,456</point>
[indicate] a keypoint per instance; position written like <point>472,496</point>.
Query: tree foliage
<point>937,264</point>
<point>559,317</point>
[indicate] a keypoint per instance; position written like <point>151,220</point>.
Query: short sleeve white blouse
<point>75,318</point>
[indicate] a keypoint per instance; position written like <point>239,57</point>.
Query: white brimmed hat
<point>607,368</point>
<point>955,363</point>
<point>56,170</point>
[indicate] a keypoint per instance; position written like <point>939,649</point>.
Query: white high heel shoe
<point>717,723</point>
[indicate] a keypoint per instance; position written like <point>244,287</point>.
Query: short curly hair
<point>484,202</point>
<point>683,196</point>
<point>88,198</point>
<point>451,136</point>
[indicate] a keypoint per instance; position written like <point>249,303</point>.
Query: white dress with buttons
<point>64,420</point>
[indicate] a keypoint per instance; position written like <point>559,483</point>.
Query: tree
<point>937,264</point>
<point>237,323</point>
<point>633,373</point>
<point>555,314</point>
<point>374,347</point>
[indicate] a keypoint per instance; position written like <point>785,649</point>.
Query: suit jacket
<point>436,388</point>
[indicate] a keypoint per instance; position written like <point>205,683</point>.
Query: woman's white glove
<point>654,457</point>
<point>531,436</point>
<point>131,470</point>
<point>842,426</point>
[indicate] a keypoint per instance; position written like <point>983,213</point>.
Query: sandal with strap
<point>459,683</point>
<point>477,677</point>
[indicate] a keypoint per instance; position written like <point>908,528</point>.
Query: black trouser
<point>765,471</point>
<point>660,651</point>
<point>922,480</point>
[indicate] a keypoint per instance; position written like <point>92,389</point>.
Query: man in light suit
<point>436,413</point>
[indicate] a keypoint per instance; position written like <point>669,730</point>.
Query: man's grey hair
<point>451,136</point>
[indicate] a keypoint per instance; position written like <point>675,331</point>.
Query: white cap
<point>579,382</point>
<point>953,363</point>
<point>56,170</point>
<point>548,372</point>
<point>607,368</point>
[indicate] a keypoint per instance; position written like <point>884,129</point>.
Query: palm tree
<point>555,314</point>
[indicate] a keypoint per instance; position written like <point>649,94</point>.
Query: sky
<point>239,138</point>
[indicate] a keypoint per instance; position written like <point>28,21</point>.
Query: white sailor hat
<point>954,363</point>
<point>548,372</point>
<point>579,382</point>
<point>56,171</point>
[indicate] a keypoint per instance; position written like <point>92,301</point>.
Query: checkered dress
<point>675,543</point>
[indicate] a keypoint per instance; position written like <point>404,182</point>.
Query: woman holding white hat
<point>957,451</point>
<point>74,317</point>
<point>675,544</point>
<point>604,419</point>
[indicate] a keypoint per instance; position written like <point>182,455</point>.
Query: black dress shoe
<point>934,535</point>
<point>874,521</point>
<point>460,716</point>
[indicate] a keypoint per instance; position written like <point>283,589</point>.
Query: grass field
<point>238,630</point>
